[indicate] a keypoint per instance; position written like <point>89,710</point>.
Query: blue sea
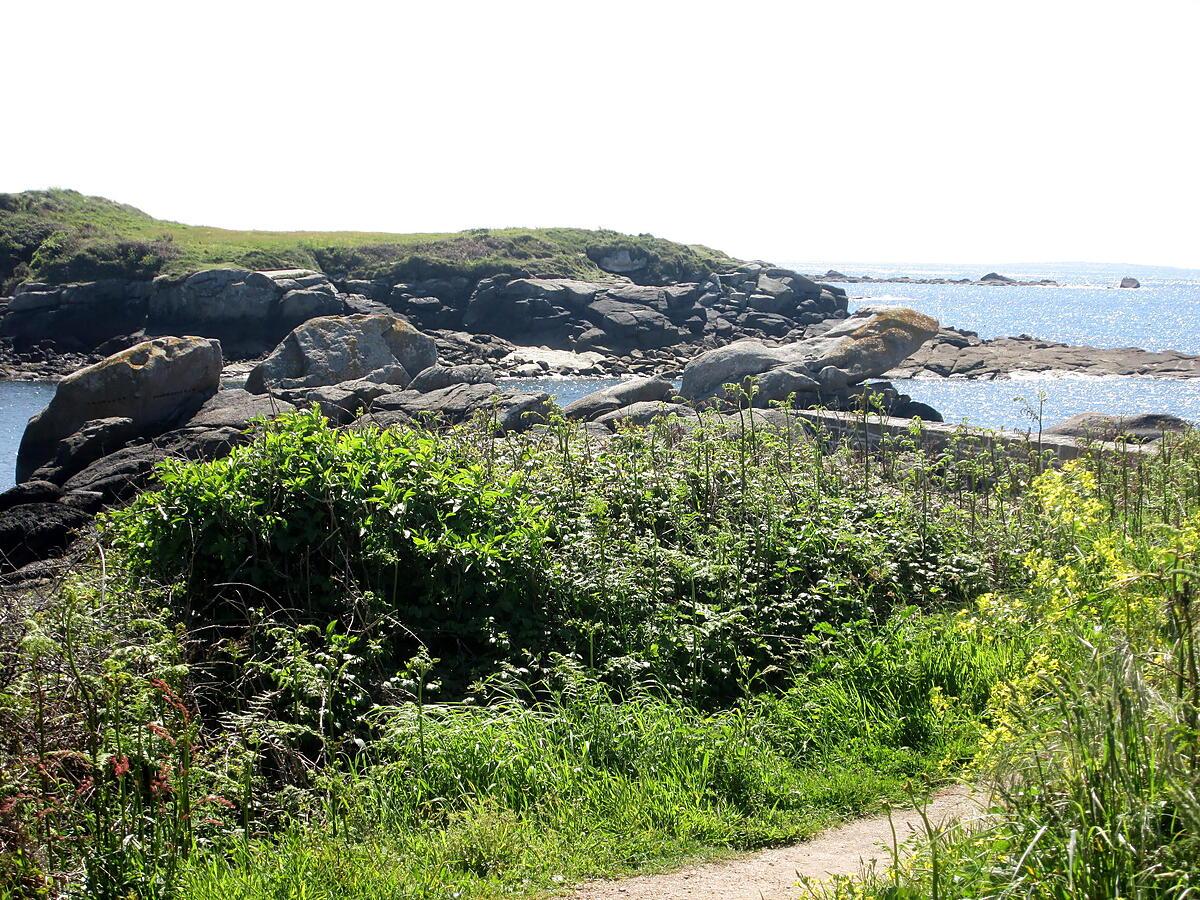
<point>1085,308</point>
<point>18,401</point>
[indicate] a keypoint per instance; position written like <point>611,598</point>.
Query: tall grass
<point>61,235</point>
<point>1094,759</point>
<point>712,638</point>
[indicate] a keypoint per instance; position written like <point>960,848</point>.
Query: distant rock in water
<point>1130,282</point>
<point>1138,429</point>
<point>996,276</point>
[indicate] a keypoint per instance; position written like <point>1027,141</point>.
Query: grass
<point>373,664</point>
<point>61,236</point>
<point>1094,756</point>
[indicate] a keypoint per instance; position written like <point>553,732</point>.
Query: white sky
<point>901,130</point>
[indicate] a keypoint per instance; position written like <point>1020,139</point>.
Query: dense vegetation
<point>399,663</point>
<point>61,236</point>
<point>1094,757</point>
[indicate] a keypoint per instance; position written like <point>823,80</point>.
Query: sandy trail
<point>774,874</point>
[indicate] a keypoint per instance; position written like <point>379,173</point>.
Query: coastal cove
<point>1082,308</point>
<point>410,509</point>
<point>1006,403</point>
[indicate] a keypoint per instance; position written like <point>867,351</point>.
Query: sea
<point>1086,307</point>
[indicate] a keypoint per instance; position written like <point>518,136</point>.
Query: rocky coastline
<point>625,327</point>
<point>522,325</point>
<point>169,396</point>
<point>957,353</point>
<point>991,279</point>
<point>109,424</point>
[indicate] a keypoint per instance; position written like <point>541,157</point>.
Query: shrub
<point>702,565</point>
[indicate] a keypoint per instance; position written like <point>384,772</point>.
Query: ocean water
<point>1086,308</point>
<point>1015,402</point>
<point>563,390</point>
<point>19,400</point>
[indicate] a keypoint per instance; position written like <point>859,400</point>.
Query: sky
<point>887,131</point>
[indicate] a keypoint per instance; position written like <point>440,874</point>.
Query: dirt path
<point>774,874</point>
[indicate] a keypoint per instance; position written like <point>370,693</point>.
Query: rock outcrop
<point>75,317</point>
<point>963,353</point>
<point>384,349</point>
<point>1142,428</point>
<point>617,318</point>
<point>607,400</point>
<point>152,385</point>
<point>241,306</point>
<point>865,345</point>
<point>512,410</point>
<point>245,309</point>
<point>1130,282</point>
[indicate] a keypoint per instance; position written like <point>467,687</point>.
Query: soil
<point>777,874</point>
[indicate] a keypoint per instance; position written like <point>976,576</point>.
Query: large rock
<point>237,408</point>
<point>220,300</point>
<point>865,345</point>
<point>637,390</point>
<point>513,410</point>
<point>155,384</point>
<point>705,375</point>
<point>529,309</point>
<point>645,412</point>
<point>872,341</point>
<point>213,298</point>
<point>1141,428</point>
<point>437,377</point>
<point>333,349</point>
<point>75,316</point>
<point>619,260</point>
<point>1130,282</point>
<point>628,323</point>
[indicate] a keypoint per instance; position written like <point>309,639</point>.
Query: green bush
<point>702,565</point>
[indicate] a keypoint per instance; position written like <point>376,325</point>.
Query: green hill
<point>61,236</point>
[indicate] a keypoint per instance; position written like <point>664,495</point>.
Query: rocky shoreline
<point>626,327</point>
<point>951,353</point>
<point>522,325</point>
<point>991,279</point>
<point>109,424</point>
<point>169,396</point>
<point>957,353</point>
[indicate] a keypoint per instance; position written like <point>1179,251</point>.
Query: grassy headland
<point>62,236</point>
<point>360,664</point>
